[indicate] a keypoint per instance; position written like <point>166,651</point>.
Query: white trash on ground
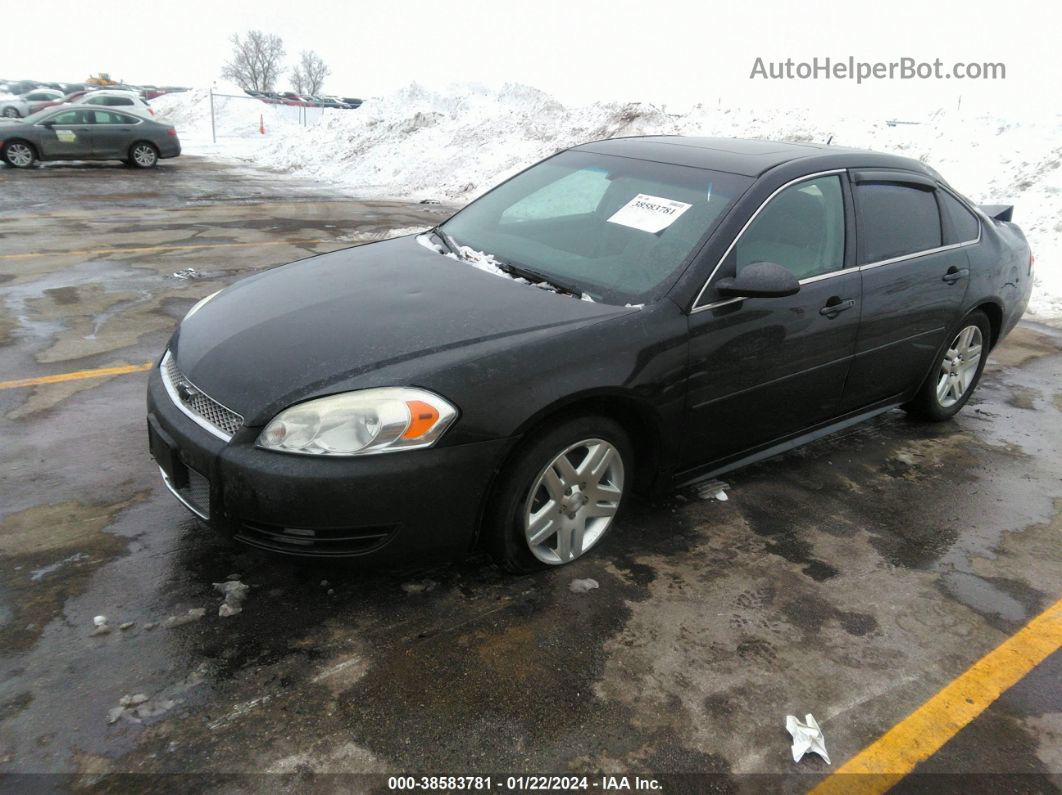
<point>583,586</point>
<point>713,490</point>
<point>807,736</point>
<point>235,592</point>
<point>194,614</point>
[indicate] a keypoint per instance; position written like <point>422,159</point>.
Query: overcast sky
<point>665,51</point>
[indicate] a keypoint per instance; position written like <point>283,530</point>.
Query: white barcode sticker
<point>649,213</point>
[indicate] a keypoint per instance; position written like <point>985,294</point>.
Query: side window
<point>897,220</point>
<point>69,117</point>
<point>106,117</point>
<point>93,101</point>
<point>121,118</point>
<point>577,193</point>
<point>118,101</point>
<point>802,229</point>
<point>964,225</point>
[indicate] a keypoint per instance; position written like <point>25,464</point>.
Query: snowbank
<point>420,143</point>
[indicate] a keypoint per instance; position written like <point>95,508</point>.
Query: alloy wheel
<point>573,501</point>
<point>10,113</point>
<point>19,155</point>
<point>959,367</point>
<point>144,155</point>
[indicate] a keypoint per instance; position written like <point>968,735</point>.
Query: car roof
<point>747,157</point>
<point>122,92</point>
<point>136,112</point>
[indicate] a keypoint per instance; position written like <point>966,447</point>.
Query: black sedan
<point>77,132</point>
<point>628,315</point>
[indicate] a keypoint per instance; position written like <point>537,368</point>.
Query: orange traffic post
<point>261,124</point>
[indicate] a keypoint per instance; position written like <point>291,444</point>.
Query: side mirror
<point>49,124</point>
<point>759,280</point>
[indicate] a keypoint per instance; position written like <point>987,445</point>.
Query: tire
<point>19,154</point>
<point>11,113</point>
<point>551,472</point>
<point>957,373</point>
<point>143,155</point>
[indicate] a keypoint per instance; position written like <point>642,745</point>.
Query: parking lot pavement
<point>852,579</point>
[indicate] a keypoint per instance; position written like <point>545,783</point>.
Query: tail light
<point>1032,261</point>
<point>172,132</point>
<point>151,111</point>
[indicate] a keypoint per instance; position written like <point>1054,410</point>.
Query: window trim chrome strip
<point>202,423</point>
<point>180,499</point>
<point>742,231</point>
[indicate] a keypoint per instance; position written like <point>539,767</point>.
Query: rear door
<point>914,281</point>
<point>67,136</point>
<point>764,368</point>
<point>112,134</point>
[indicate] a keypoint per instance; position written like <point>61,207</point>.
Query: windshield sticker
<point>649,213</point>
<point>66,136</point>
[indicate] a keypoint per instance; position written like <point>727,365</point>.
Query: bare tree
<point>255,64</point>
<point>309,75</point>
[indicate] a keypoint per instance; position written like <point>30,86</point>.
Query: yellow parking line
<point>880,765</point>
<point>55,379</point>
<point>157,249</point>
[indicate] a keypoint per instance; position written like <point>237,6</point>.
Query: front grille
<point>299,541</point>
<point>202,408</point>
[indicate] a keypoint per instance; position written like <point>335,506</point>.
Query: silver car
<point>85,132</point>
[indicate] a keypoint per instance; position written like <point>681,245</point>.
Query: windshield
<point>615,227</point>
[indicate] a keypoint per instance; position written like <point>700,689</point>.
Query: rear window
<point>964,225</point>
<point>896,220</point>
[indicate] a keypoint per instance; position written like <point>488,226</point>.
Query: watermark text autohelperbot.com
<point>861,71</point>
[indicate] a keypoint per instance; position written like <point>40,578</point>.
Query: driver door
<point>765,368</point>
<point>66,135</point>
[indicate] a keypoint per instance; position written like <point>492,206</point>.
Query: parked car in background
<point>123,100</point>
<point>354,102</point>
<point>18,87</point>
<point>87,132</point>
<point>25,104</point>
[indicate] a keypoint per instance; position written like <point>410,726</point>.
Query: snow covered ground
<point>419,143</point>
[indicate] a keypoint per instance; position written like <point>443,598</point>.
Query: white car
<point>23,105</point>
<point>128,101</point>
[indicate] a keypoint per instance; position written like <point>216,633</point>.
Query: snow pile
<point>420,143</point>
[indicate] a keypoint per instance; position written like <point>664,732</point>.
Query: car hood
<point>357,318</point>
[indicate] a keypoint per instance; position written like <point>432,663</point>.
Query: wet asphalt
<point>852,578</point>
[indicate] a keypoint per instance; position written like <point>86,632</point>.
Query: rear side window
<point>117,101</point>
<point>802,229</point>
<point>964,226</point>
<point>107,117</point>
<point>897,220</point>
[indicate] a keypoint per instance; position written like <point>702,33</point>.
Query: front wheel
<point>19,154</point>
<point>952,381</point>
<point>144,155</point>
<point>11,113</point>
<point>560,495</point>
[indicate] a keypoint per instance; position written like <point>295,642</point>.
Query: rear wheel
<point>953,380</point>
<point>143,155</point>
<point>560,495</point>
<point>19,154</point>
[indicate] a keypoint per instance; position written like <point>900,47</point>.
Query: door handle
<point>836,306</point>
<point>954,274</point>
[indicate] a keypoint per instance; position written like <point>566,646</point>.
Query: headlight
<point>360,423</point>
<point>199,305</point>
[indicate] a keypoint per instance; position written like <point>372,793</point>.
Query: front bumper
<point>389,507</point>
